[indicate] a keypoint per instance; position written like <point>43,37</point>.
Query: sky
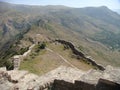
<point>112,4</point>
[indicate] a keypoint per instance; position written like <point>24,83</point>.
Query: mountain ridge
<point>98,24</point>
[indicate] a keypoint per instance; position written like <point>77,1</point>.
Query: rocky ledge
<point>62,78</point>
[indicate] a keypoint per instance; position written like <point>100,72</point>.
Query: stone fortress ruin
<point>61,78</point>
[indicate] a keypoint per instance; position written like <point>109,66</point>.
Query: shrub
<point>42,46</point>
<point>22,50</point>
<point>9,65</point>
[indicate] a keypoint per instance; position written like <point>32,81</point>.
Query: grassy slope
<point>76,25</point>
<point>98,51</point>
<point>45,60</point>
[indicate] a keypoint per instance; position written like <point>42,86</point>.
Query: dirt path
<point>65,60</point>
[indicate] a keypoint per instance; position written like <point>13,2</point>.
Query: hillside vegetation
<point>51,57</point>
<point>95,31</point>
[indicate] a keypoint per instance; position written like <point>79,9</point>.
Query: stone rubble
<point>110,73</point>
<point>23,80</point>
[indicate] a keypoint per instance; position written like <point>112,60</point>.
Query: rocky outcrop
<point>80,54</point>
<point>62,78</point>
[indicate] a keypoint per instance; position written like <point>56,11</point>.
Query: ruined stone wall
<point>62,85</point>
<point>80,54</point>
<point>16,61</point>
<point>80,85</point>
<point>18,58</point>
<point>107,85</point>
<point>62,78</point>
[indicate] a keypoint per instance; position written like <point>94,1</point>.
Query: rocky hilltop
<point>62,78</point>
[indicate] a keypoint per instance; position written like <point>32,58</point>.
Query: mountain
<point>94,30</point>
<point>117,10</point>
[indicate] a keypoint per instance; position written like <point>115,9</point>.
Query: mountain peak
<point>103,7</point>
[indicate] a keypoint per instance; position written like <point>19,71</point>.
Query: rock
<point>62,78</point>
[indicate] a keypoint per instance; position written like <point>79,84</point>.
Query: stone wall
<point>16,61</point>
<point>107,85</point>
<point>62,85</point>
<point>80,54</point>
<point>18,58</point>
<point>62,78</point>
<point>80,85</point>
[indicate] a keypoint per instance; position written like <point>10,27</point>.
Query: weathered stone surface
<point>62,85</point>
<point>25,80</point>
<point>80,85</point>
<point>62,78</point>
<point>112,74</point>
<point>107,85</point>
<point>92,76</point>
<point>16,61</point>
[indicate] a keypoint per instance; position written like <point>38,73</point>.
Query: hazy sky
<point>112,4</point>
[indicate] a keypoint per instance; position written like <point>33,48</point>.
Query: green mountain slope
<point>95,31</point>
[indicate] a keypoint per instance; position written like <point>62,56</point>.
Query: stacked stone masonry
<point>62,78</point>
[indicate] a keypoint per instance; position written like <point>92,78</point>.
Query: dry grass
<point>67,54</point>
<point>42,63</point>
<point>45,60</point>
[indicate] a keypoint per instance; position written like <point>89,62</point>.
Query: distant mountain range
<point>96,31</point>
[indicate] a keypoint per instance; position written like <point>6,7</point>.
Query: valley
<point>92,34</point>
<point>55,47</point>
